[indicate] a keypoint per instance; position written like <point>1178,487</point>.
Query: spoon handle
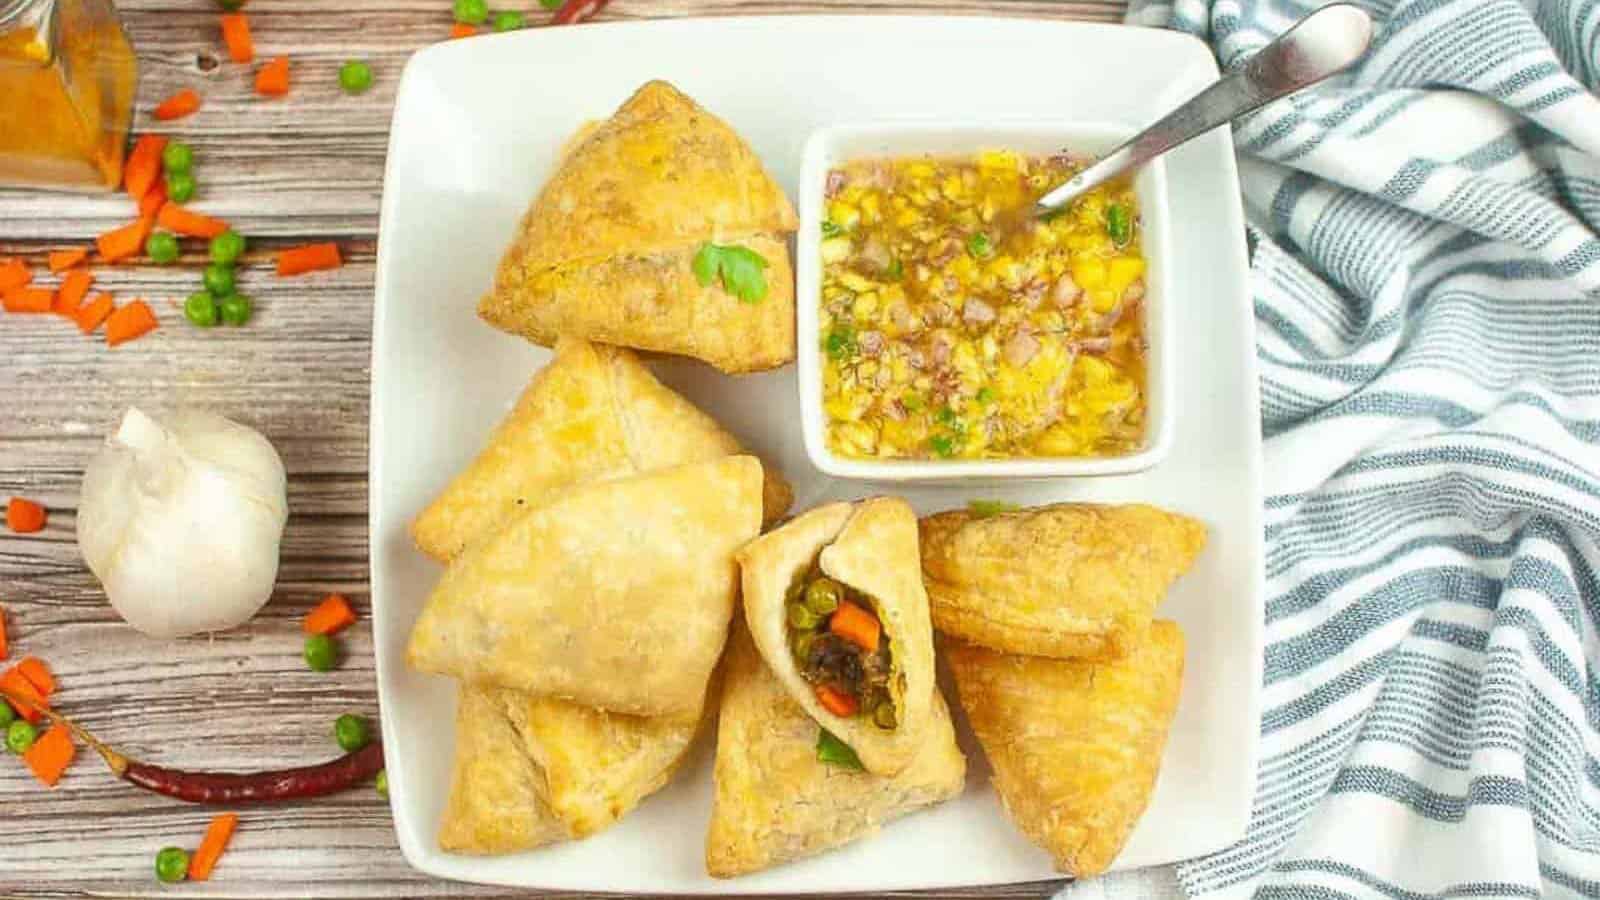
<point>1319,45</point>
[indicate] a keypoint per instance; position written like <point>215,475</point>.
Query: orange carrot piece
<point>177,106</point>
<point>273,78</point>
<point>51,754</point>
<point>308,258</point>
<point>211,846</point>
<point>89,317</point>
<point>14,274</point>
<point>28,300</point>
<point>5,647</point>
<point>176,219</point>
<point>73,289</point>
<point>462,30</point>
<point>144,165</point>
<point>38,674</point>
<point>16,684</point>
<point>25,516</point>
<point>131,320</point>
<point>62,260</point>
<point>331,616</point>
<point>121,243</point>
<point>236,34</point>
<point>153,199</point>
<point>856,625</point>
<point>837,702</point>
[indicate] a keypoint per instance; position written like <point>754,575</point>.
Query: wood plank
<point>306,167</point>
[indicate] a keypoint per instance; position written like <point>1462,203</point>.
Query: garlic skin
<point>181,521</point>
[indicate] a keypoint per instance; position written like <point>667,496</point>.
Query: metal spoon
<point>1319,45</point>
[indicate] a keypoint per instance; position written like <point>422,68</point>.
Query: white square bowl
<point>830,147</point>
<point>463,165</point>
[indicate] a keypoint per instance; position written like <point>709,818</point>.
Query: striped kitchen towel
<point>1427,296</point>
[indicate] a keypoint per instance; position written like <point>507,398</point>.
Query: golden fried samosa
<point>530,771</point>
<point>1075,744</point>
<point>834,600</point>
<point>593,412</point>
<point>775,801</point>
<point>1068,580</point>
<point>615,595</point>
<point>607,251</point>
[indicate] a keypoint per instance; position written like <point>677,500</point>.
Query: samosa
<point>1075,744</point>
<point>615,595</point>
<point>593,412</point>
<point>661,231</point>
<point>1068,580</point>
<point>775,800</point>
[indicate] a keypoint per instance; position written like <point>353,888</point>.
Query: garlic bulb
<point>181,520</point>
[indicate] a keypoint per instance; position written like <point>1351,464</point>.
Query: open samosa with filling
<point>835,603</point>
<point>615,594</point>
<point>1075,744</point>
<point>1068,580</point>
<point>530,771</point>
<point>776,799</point>
<point>659,230</point>
<point>593,412</point>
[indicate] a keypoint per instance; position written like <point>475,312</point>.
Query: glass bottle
<point>67,79</point>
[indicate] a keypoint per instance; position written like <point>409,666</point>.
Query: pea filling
<point>840,648</point>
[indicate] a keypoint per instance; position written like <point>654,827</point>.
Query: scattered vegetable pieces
<point>13,275</point>
<point>331,616</point>
<point>321,653</point>
<point>273,78</point>
<point>508,20</point>
<point>38,675</point>
<point>132,320</point>
<point>216,840</point>
<point>121,243</point>
<point>180,187</point>
<point>184,221</point>
<point>350,732</point>
<point>309,258</point>
<point>25,516</point>
<point>29,702</point>
<point>575,11</point>
<point>471,12</point>
<point>62,260</point>
<point>162,248</point>
<point>177,157</point>
<point>99,309</point>
<point>51,754</point>
<point>73,289</point>
<point>29,300</point>
<point>172,865</point>
<point>20,735</point>
<point>235,309</point>
<point>462,30</point>
<point>5,648</point>
<point>153,199</point>
<point>183,103</point>
<point>143,167</point>
<point>355,77</point>
<point>236,35</point>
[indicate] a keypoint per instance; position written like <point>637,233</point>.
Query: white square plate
<point>477,125</point>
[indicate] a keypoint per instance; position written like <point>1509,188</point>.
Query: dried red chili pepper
<point>228,788</point>
<point>575,11</point>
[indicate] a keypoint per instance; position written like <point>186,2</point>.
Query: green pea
<point>822,597</point>
<point>172,865</point>
<point>472,12</point>
<point>162,248</point>
<point>227,247</point>
<point>884,716</point>
<point>551,4</point>
<point>177,157</point>
<point>201,309</point>
<point>20,735</point>
<point>355,77</point>
<point>840,343</point>
<point>985,395</point>
<point>382,783</point>
<point>180,187</point>
<point>508,21</point>
<point>321,653</point>
<point>979,245</point>
<point>943,445</point>
<point>351,733</point>
<point>6,715</point>
<point>231,5</point>
<point>1119,224</point>
<point>800,646</point>
<point>802,618</point>
<point>235,308</point>
<point>218,278</point>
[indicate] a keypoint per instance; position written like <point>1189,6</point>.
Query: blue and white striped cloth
<point>1426,281</point>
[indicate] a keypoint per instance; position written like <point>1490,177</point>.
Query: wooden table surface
<point>307,167</point>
